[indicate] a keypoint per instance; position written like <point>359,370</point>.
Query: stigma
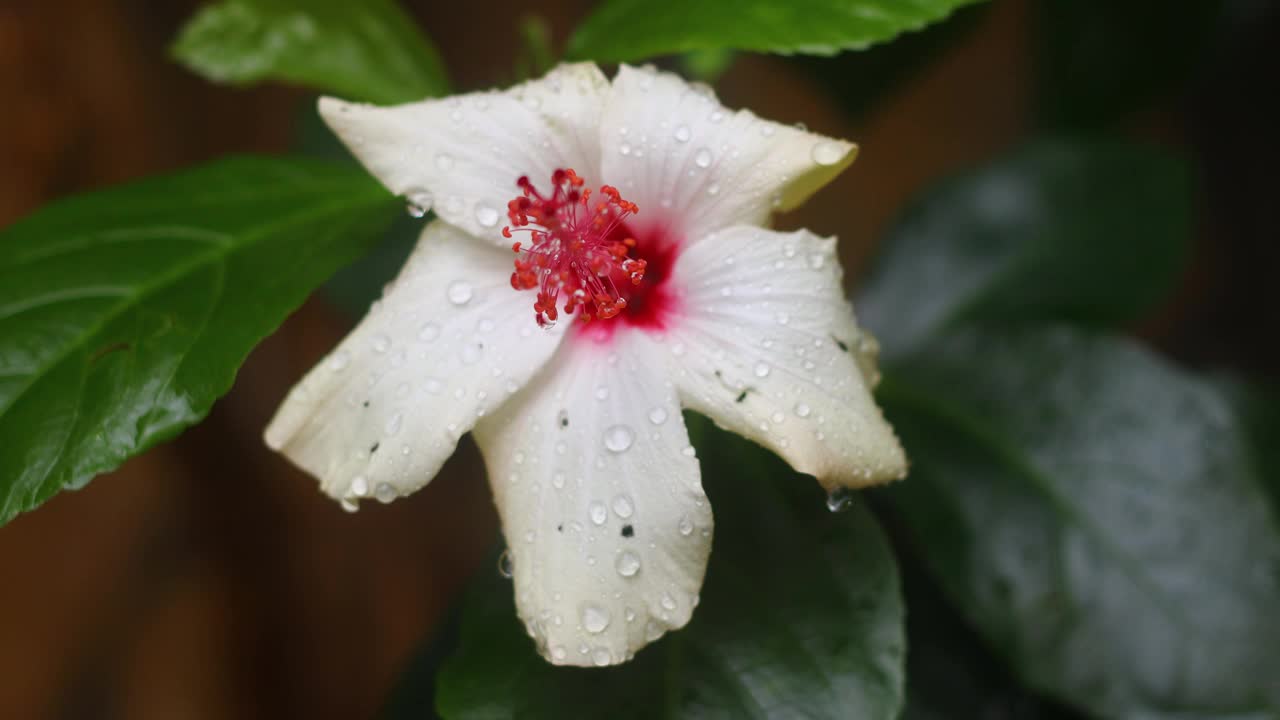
<point>575,251</point>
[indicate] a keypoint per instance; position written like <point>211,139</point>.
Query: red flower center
<point>577,248</point>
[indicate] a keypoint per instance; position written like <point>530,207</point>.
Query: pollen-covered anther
<point>576,247</point>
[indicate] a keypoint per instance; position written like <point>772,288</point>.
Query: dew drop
<point>360,486</point>
<point>486,216</point>
<point>381,343</point>
<point>339,361</point>
<point>505,567</point>
<point>623,507</point>
<point>601,657</point>
<point>713,189</point>
<point>652,631</point>
<point>460,292</point>
<point>558,652</point>
<point>598,512</point>
<point>595,619</point>
<point>683,134</point>
<point>658,415</point>
<point>802,410</point>
<point>839,499</point>
<point>618,438</point>
<point>702,158</point>
<point>686,526</point>
<point>429,332</point>
<point>827,153</point>
<point>602,392</point>
<point>668,602</point>
<point>418,203</point>
<point>384,492</point>
<point>627,564</point>
<point>762,370</point>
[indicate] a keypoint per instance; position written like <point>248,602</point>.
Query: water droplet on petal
<point>702,158</point>
<point>601,657</point>
<point>627,564</point>
<point>486,216</point>
<point>652,631</point>
<point>339,361</point>
<point>594,619</point>
<point>618,438</point>
<point>598,513</point>
<point>685,526</point>
<point>558,652</point>
<point>658,415</point>
<point>384,492</point>
<point>762,370</point>
<point>381,343</point>
<point>802,410</point>
<point>668,602</point>
<point>505,567</point>
<point>460,292</point>
<point>429,332</point>
<point>683,134</point>
<point>418,203</point>
<point>623,507</point>
<point>827,153</point>
<point>359,486</point>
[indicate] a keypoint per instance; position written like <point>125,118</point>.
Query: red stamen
<point>571,247</point>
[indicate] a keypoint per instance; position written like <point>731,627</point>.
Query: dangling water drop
<point>505,567</point>
<point>839,499</point>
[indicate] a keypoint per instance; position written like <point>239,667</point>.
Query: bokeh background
<point>209,579</point>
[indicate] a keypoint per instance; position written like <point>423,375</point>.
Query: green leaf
<point>1098,516</point>
<point>800,617</point>
<point>125,313</point>
<point>1091,234</point>
<point>368,50</point>
<point>626,30</point>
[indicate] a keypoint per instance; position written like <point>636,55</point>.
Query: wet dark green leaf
<point>1091,234</point>
<point>125,313</point>
<point>1098,516</point>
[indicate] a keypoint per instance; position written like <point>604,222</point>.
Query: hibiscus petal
<point>449,341</point>
<point>770,350</point>
<point>695,166</point>
<point>601,502</point>
<point>462,155</point>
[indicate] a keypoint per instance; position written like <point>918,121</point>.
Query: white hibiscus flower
<point>693,302</point>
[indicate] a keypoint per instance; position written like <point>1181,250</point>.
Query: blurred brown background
<point>208,579</point>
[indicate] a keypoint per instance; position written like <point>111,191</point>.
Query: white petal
<point>449,341</point>
<point>601,502</point>
<point>462,155</point>
<point>686,160</point>
<point>770,350</point>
